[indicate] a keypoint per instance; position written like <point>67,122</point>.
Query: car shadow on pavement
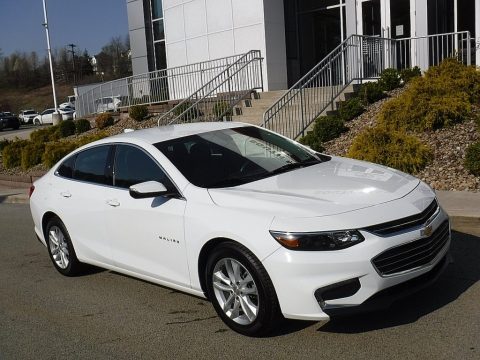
<point>458,277</point>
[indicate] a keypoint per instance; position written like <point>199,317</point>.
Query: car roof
<point>164,133</point>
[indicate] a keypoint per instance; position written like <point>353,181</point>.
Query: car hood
<point>332,187</point>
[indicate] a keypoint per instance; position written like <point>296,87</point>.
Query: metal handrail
<point>357,58</point>
<point>217,98</point>
<point>153,87</point>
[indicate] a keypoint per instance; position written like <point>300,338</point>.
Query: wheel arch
<point>49,215</point>
<point>206,250</point>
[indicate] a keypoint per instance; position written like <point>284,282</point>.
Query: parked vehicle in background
<point>27,116</point>
<point>8,121</point>
<point>70,102</point>
<point>46,117</point>
<point>106,104</point>
<point>67,113</point>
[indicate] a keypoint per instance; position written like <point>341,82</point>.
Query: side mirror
<point>148,189</point>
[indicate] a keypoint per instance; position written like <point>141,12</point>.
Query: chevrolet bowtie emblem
<point>427,231</point>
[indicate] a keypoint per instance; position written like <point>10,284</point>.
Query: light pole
<point>45,25</point>
<point>73,46</point>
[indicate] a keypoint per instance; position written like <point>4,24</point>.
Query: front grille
<point>404,223</point>
<point>412,255</point>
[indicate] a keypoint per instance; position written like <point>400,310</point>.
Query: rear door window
<point>91,165</point>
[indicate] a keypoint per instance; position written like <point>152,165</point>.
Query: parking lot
<point>22,133</point>
<point>107,315</point>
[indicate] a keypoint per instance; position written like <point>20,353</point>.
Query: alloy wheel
<point>58,247</point>
<point>235,291</point>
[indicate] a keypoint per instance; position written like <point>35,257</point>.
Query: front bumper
<point>298,275</point>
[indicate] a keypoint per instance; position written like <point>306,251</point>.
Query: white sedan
<point>257,223</point>
<point>46,117</point>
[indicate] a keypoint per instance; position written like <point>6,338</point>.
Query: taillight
<point>30,192</point>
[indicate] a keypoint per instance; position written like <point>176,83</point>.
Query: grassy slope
<point>38,99</point>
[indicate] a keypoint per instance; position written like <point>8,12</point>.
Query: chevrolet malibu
<point>262,226</point>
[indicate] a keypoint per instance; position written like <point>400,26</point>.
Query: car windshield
<point>236,156</point>
<point>30,112</point>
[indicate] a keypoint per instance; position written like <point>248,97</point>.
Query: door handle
<point>66,194</point>
<point>113,203</point>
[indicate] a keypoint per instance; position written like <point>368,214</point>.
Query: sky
<point>89,24</point>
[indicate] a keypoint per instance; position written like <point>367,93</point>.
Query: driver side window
<point>133,166</point>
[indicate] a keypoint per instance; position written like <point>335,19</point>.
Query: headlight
<point>320,241</point>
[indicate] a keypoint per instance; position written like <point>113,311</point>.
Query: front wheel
<point>36,122</point>
<point>241,290</point>
<point>60,249</point>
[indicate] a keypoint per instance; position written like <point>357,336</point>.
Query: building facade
<point>292,35</point>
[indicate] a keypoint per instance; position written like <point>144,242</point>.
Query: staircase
<point>216,99</point>
<point>251,111</point>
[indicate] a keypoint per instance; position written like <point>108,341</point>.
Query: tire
<point>252,308</point>
<point>36,122</point>
<point>60,248</point>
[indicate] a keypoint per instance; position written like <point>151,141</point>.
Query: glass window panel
<point>133,166</point>
<point>158,31</point>
<point>91,165</point>
<point>157,9</point>
<point>160,55</point>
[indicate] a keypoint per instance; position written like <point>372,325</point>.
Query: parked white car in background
<point>107,104</point>
<point>46,117</point>
<point>259,224</point>
<point>27,116</point>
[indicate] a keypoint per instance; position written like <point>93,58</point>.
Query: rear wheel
<point>60,248</point>
<point>241,290</point>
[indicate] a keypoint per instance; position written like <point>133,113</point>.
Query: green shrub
<point>54,151</point>
<point>4,143</point>
<point>185,112</point>
<point>391,148</point>
<point>389,79</point>
<point>312,141</point>
<point>82,125</point>
<point>91,138</point>
<point>104,120</point>
<point>472,159</point>
<point>425,106</point>
<point>222,108</point>
<point>350,109</point>
<point>66,128</point>
<point>31,154</point>
<point>12,153</point>
<point>453,76</point>
<point>45,135</point>
<point>371,92</point>
<point>138,112</point>
<point>325,128</point>
<point>408,74</point>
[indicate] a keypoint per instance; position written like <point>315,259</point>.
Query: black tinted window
<point>66,168</point>
<point>133,166</point>
<point>91,165</point>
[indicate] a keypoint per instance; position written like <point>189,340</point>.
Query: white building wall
<point>136,29</point>
<point>200,30</point>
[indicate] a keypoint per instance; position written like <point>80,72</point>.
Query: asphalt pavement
<point>105,315</point>
<point>22,133</point>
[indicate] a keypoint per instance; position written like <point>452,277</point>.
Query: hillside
<point>39,99</point>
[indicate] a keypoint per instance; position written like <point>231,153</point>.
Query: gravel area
<point>449,145</point>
